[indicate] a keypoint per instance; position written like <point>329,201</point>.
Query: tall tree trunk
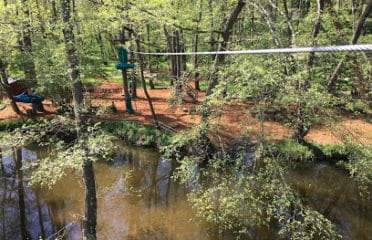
<point>148,47</point>
<point>225,33</point>
<point>196,43</point>
<point>90,218</point>
<point>183,58</point>
<point>177,50</point>
<point>212,40</point>
<point>195,60</point>
<point>176,45</point>
<point>133,73</point>
<point>314,33</point>
<point>252,18</point>
<point>26,46</point>
<point>172,59</point>
<point>367,11</point>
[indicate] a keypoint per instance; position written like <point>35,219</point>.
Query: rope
<point>341,48</point>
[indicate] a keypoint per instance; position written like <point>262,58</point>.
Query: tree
<point>356,34</point>
<point>25,42</point>
<point>226,32</point>
<point>90,218</point>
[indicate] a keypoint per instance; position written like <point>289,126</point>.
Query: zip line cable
<point>340,48</point>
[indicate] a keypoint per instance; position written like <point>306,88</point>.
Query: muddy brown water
<point>138,200</point>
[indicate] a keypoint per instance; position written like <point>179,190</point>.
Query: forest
<point>134,119</point>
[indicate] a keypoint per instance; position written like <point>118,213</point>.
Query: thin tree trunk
<point>176,38</point>
<point>90,218</point>
<point>285,14</point>
<point>133,73</point>
<point>196,43</point>
<point>26,43</point>
<point>181,44</point>
<point>302,127</point>
<point>251,28</point>
<point>156,123</point>
<point>314,33</point>
<point>171,59</point>
<point>212,40</point>
<point>226,33</point>
<point>332,81</point>
<point>148,47</point>
<point>178,60</point>
<point>149,59</point>
<point>195,61</point>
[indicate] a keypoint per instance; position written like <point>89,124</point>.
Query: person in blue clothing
<point>29,97</point>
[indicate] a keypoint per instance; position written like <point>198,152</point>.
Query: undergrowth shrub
<point>136,134</point>
<point>291,150</point>
<point>335,152</point>
<point>11,124</point>
<point>359,165</point>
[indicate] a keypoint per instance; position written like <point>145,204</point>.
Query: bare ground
<point>233,122</point>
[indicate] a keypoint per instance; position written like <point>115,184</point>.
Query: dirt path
<point>234,121</point>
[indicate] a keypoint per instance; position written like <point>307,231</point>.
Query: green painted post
<point>123,66</point>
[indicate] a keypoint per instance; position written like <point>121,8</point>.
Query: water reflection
<point>23,214</point>
<point>331,192</point>
<point>138,200</point>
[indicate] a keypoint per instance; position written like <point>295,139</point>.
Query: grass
<point>308,151</point>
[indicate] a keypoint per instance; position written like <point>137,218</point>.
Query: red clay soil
<point>233,122</point>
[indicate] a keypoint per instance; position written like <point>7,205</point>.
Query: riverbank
<point>234,120</point>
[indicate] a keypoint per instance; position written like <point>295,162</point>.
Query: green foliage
<point>286,86</point>
<point>12,124</point>
<point>291,150</point>
<point>359,165</point>
<point>132,132</point>
<point>357,107</point>
<point>53,81</point>
<point>237,197</point>
<point>66,152</point>
<point>177,146</point>
<point>336,152</point>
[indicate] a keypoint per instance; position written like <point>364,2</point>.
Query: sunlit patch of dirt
<point>231,122</point>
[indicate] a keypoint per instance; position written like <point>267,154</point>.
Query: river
<point>137,199</point>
